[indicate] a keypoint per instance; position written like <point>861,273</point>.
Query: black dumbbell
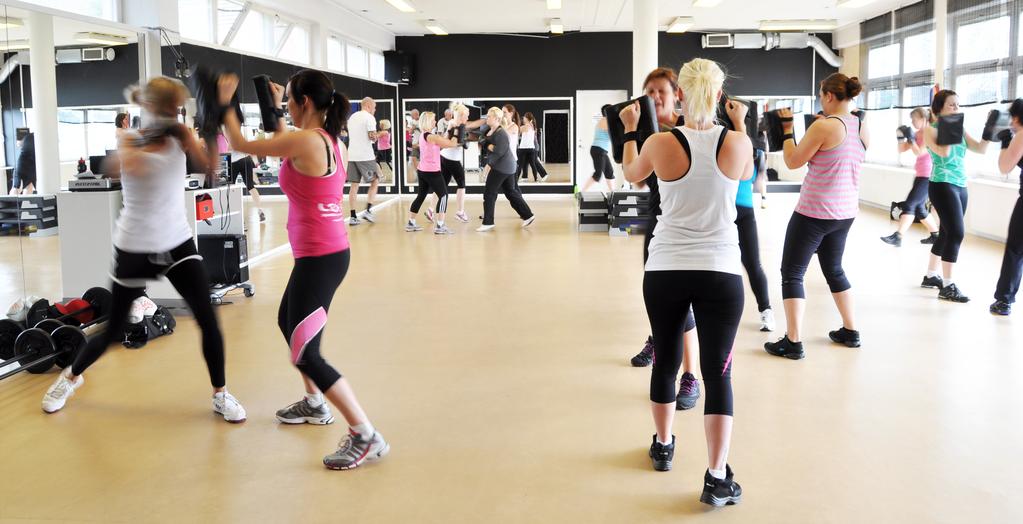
<point>9,331</point>
<point>99,299</point>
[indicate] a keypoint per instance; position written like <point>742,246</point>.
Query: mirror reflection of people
<point>528,151</point>
<point>243,165</point>
<point>312,177</point>
<point>384,149</point>
<point>122,122</point>
<point>412,139</point>
<point>362,161</point>
<point>152,238</point>
<point>599,148</point>
<point>24,181</point>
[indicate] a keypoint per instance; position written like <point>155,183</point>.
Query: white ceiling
<point>522,16</point>
<point>64,29</point>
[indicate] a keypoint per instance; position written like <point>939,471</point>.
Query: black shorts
<point>134,269</point>
<point>384,156</point>
<point>246,168</point>
<point>453,169</point>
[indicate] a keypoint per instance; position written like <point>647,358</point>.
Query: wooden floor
<point>497,367</point>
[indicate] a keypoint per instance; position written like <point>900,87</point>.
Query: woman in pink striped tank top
<point>833,148</point>
<point>313,176</point>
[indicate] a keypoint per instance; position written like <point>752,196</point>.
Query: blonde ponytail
<point>701,81</point>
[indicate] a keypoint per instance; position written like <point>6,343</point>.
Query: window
<point>916,96</point>
<point>71,134</point>
<point>194,19</point>
<point>880,98</point>
<point>356,60</point>
<point>979,41</point>
<point>982,87</point>
<point>97,8</point>
<point>251,35</point>
<point>100,135</point>
<point>228,12</point>
<point>883,61</point>
<point>376,66</point>
<point>918,53</point>
<point>296,48</point>
<point>335,54</point>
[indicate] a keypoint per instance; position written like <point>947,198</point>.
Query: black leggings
<point>749,246</point>
<point>949,203</point>
<point>653,211</point>
<point>529,158</point>
<point>185,269</point>
<point>503,183</point>
<point>303,312</point>
<point>452,169</point>
<point>803,238</point>
<point>431,181</point>
<point>916,201</point>
<point>717,300</point>
<point>1012,261</point>
<point>601,164</point>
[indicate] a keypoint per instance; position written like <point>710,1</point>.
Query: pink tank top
<point>923,162</point>
<point>384,143</point>
<point>222,144</point>
<point>429,155</point>
<point>831,189</point>
<point>316,224</point>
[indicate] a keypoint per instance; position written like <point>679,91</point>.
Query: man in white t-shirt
<point>444,123</point>
<point>362,160</point>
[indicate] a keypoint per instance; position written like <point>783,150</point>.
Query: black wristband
<point>279,112</point>
<point>631,136</point>
<point>788,136</point>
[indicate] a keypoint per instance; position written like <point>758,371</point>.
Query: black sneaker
<point>721,492</point>
<point>894,239</point>
<point>932,238</point>
<point>662,454</point>
<point>1001,308</point>
<point>846,336</point>
<point>646,356</point>
<point>785,348</point>
<point>932,282</point>
<point>688,392</point>
<point>952,293</point>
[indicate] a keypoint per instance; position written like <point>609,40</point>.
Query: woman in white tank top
<point>528,153</point>
<point>694,260</point>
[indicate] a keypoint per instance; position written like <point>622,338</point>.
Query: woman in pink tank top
<point>834,148</point>
<point>312,176</point>
<point>915,206</point>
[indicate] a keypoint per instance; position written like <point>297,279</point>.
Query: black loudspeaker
<point>399,67</point>
<point>226,258</point>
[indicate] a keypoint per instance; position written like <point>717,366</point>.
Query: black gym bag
<point>158,324</point>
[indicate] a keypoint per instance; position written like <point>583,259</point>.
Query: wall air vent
<point>717,40</point>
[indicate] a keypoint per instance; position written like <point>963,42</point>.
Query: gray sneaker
<point>355,449</point>
<point>442,230</point>
<point>369,216</point>
<point>412,227</point>
<point>302,413</point>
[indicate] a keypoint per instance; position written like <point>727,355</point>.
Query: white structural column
<point>940,42</point>
<point>44,102</point>
<point>644,41</point>
<point>317,46</point>
<point>152,14</point>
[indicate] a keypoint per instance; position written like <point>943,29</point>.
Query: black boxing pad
<point>752,117</point>
<point>950,129</point>
<point>264,96</point>
<point>208,113</point>
<point>646,127</point>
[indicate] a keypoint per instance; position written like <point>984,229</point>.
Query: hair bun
<point>853,87</point>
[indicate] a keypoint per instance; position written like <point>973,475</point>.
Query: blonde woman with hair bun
<point>694,260</point>
<point>502,172</point>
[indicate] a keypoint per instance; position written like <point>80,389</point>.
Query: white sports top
<point>153,217</point>
<point>696,228</point>
<point>528,140</point>
<point>513,139</point>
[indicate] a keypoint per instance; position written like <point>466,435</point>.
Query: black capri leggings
<point>949,202</point>
<point>431,181</point>
<point>717,300</point>
<point>749,246</point>
<point>803,238</point>
<point>246,168</point>
<point>690,323</point>
<point>185,269</point>
<point>453,169</point>
<point>916,201</point>
<point>303,312</point>
<point>529,158</point>
<point>1012,260</point>
<point>601,164</point>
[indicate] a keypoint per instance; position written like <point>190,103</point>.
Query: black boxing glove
<point>905,134</point>
<point>1005,136</point>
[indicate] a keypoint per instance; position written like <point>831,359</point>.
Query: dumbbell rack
<point>30,210</point>
<point>629,212</point>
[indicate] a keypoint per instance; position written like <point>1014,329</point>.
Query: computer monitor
<point>96,164</point>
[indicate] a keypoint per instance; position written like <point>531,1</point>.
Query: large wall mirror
<point>543,146</point>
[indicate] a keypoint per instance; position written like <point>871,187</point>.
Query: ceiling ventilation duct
<point>770,41</point>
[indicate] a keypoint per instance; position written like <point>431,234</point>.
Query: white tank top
<point>513,138</point>
<point>528,140</point>
<point>454,154</point>
<point>696,228</point>
<point>153,217</point>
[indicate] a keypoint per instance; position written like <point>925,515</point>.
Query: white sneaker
<point>61,390</point>
<point>462,216</point>
<point>354,221</point>
<point>527,222</point>
<point>370,217</point>
<point>484,228</point>
<point>767,320</point>
<point>225,404</point>
<point>412,227</point>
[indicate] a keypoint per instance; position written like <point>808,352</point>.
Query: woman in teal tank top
<point>949,197</point>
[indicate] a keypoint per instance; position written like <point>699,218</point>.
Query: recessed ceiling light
<point>798,25</point>
<point>100,38</point>
<point>854,3</point>
<point>681,24</point>
<point>435,27</point>
<point>13,45</point>
<point>706,3</point>
<point>402,5</point>
<point>553,4</point>
<point>555,26</point>
<point>6,21</point>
